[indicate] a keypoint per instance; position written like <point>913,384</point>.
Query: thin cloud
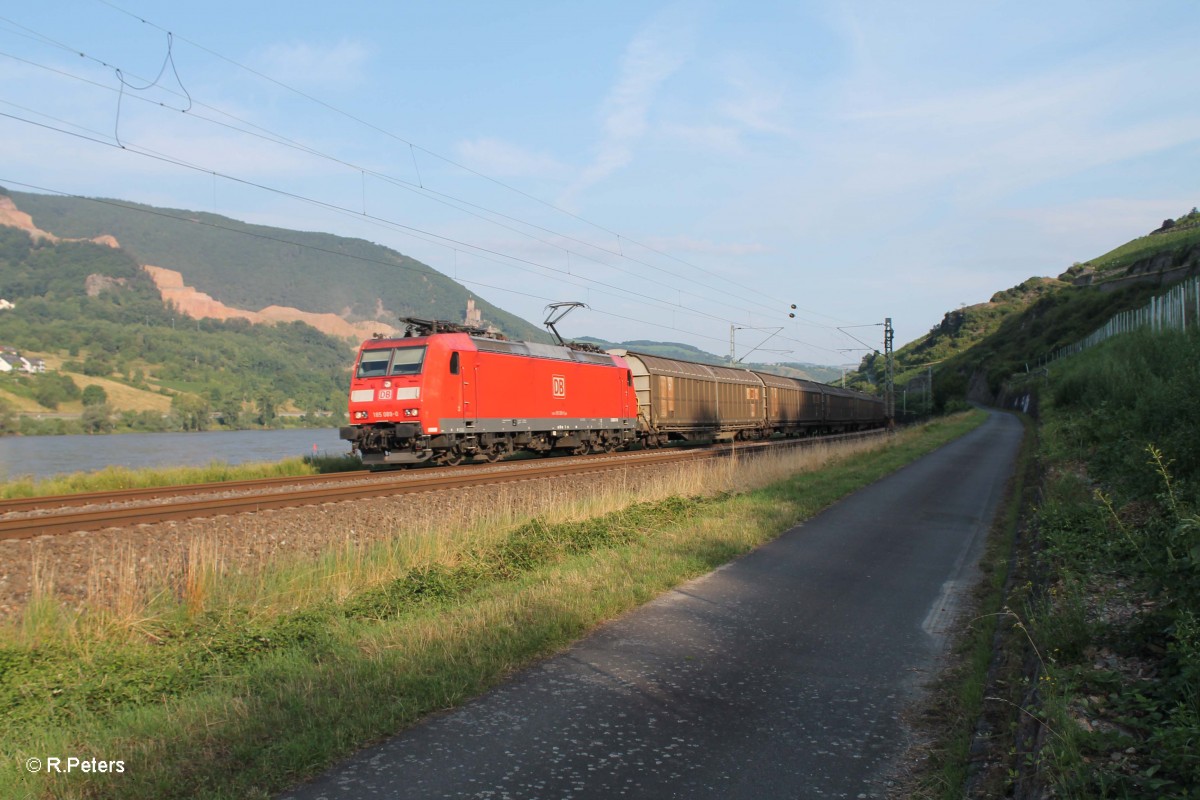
<point>318,66</point>
<point>502,159</point>
<point>752,105</point>
<point>687,244</point>
<point>655,54</point>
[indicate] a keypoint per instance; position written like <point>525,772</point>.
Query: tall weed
<point>1121,546</point>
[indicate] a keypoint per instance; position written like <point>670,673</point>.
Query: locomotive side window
<point>629,377</point>
<point>407,360</point>
<point>374,363</point>
<point>454,363</point>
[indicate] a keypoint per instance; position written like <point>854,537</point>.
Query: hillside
<point>974,350</point>
<point>255,267</point>
<point>1172,246</point>
<point>96,318</point>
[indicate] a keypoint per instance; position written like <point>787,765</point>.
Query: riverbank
<point>31,459</point>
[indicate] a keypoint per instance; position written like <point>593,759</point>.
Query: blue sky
<point>681,167</point>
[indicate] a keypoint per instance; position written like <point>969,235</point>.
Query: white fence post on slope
<point>1161,313</point>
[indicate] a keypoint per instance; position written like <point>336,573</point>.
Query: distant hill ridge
<point>253,268</point>
<point>974,350</point>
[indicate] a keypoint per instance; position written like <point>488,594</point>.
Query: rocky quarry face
<point>197,304</point>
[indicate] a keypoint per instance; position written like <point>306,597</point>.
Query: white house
<point>32,365</point>
<point>12,360</point>
<point>5,305</point>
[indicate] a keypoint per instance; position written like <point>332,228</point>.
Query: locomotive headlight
<point>410,412</point>
<point>360,415</point>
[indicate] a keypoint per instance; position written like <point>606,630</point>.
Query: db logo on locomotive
<point>560,385</point>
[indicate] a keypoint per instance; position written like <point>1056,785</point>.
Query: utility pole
<point>889,389</point>
<point>929,392</point>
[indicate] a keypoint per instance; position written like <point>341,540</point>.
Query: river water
<point>43,456</point>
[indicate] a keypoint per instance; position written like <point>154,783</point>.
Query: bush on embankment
<point>1117,623</point>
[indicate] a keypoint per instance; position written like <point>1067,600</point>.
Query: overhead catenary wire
<point>372,126</point>
<point>419,188</point>
<point>619,252</point>
<point>428,236</point>
<point>423,235</point>
<point>316,248</point>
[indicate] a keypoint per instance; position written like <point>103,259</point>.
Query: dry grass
<point>249,567</point>
<point>121,397</point>
<point>434,538</point>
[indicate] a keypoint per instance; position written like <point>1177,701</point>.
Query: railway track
<point>29,517</point>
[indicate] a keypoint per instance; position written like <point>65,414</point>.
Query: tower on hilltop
<point>474,316</point>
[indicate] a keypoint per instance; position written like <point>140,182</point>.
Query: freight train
<point>445,392</point>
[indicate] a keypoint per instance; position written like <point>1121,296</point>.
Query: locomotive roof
<point>491,345</point>
<point>538,350</point>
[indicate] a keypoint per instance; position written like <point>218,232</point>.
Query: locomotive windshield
<point>398,361</point>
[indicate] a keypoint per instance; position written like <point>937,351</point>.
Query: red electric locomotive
<point>447,392</point>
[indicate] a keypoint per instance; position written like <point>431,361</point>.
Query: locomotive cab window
<point>400,361</point>
<point>374,363</point>
<point>454,363</point>
<point>407,361</point>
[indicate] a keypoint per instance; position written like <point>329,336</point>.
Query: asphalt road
<point>781,675</point>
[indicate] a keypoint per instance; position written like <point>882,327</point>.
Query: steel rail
<point>391,484</point>
<point>23,504</point>
<point>90,520</point>
<point>45,502</point>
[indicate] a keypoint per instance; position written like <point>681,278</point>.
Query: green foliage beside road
<point>1111,615</point>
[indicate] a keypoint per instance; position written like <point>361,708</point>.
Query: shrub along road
<point>783,674</point>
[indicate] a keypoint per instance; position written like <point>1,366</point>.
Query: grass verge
<point>971,710</point>
<point>1100,640</point>
<point>237,698</point>
<point>115,478</point>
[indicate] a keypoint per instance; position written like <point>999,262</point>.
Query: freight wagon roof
<point>657,365</point>
<point>735,375</point>
<point>840,392</point>
<point>783,382</point>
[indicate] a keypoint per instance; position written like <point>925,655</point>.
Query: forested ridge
<point>93,307</point>
<point>255,266</point>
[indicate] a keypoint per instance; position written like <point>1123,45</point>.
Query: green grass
<point>237,701</point>
<point>1178,240</point>
<point>114,478</point>
<point>1113,610</point>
